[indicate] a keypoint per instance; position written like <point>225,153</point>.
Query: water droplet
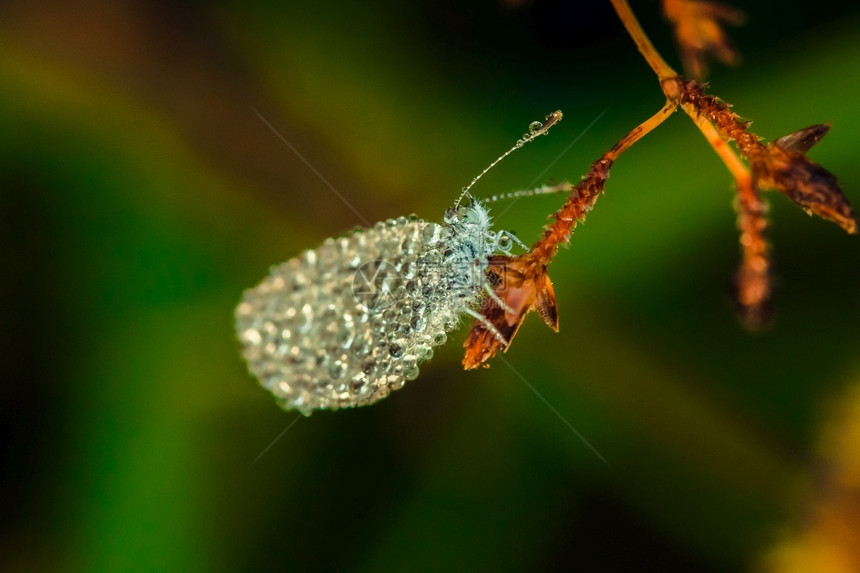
<point>419,323</point>
<point>397,348</point>
<point>423,352</point>
<point>337,370</point>
<point>252,336</point>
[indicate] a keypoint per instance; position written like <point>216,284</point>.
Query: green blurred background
<point>141,194</point>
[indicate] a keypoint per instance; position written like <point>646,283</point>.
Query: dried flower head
<point>699,32</point>
<point>523,288</point>
<point>783,165</point>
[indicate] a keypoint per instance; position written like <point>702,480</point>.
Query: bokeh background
<point>140,193</point>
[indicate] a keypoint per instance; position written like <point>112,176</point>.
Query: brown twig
<point>646,48</point>
<point>584,194</point>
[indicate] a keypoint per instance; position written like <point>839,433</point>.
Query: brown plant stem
<point>646,48</point>
<point>704,108</point>
<point>753,281</point>
<point>584,194</point>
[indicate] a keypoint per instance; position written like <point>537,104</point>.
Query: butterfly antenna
<point>564,186</point>
<point>536,129</point>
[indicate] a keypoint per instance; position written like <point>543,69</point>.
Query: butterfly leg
<point>488,325</point>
